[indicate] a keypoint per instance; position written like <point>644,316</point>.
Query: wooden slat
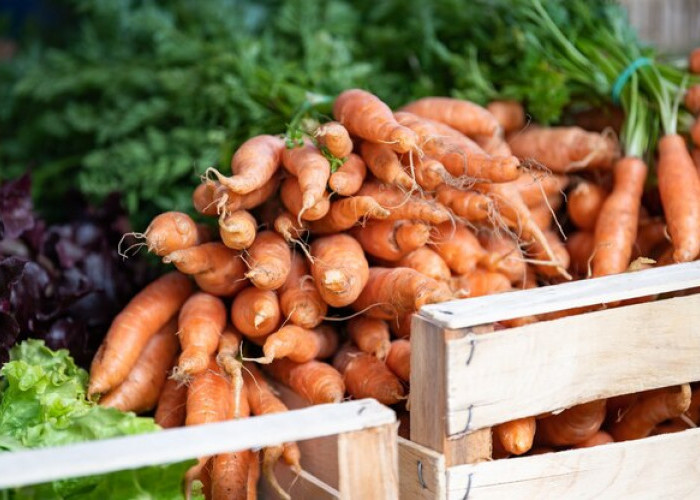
<point>368,464</point>
<point>664,466</point>
<point>421,472</point>
<point>301,486</point>
<point>482,310</point>
<point>671,25</point>
<point>172,445</point>
<point>556,364</point>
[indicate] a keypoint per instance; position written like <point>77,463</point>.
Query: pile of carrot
<point>325,247</point>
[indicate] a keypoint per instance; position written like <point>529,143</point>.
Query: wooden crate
<point>351,451</point>
<point>464,381</point>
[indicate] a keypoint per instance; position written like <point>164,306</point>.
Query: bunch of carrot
<point>327,245</point>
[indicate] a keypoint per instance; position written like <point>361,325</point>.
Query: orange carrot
<point>172,405</point>
<point>693,411</point>
<point>347,212</point>
<point>370,335</point>
<point>584,204</point>
<point>571,426</point>
<point>692,99</point>
<point>479,282</point>
<point>299,344</point>
<point>399,359</point>
<point>311,169</point>
<point>367,377</point>
<point>694,61</point>
<point>141,389</point>
<point>580,246</point>
<point>542,216</point>
<point>391,240</point>
<point>429,172</point>
<point>292,199</point>
<point>339,268</point>
<point>208,396</point>
<point>131,330</point>
<point>403,206</point>
<point>347,180</point>
<point>253,164</point>
<point>695,133</point>
<point>400,326</point>
<point>495,145</point>
<point>650,234</point>
<point>335,138</point>
<point>671,427</point>
<point>213,199</point>
<point>366,116</point>
<point>315,381</point>
<point>650,409</point>
<point>427,262</point>
<point>385,165</point>
<point>517,436</point>
<point>269,261</point>
<point>299,298</point>
<point>238,230</point>
<point>465,116</point>
<point>503,255</point>
<point>470,205</point>
<point>201,321</point>
<point>535,188</point>
<point>679,186</point>
<point>255,312</point>
<point>289,227</point>
<point>616,229</point>
<point>227,357</point>
<point>510,115</point>
<point>458,247</point>
<point>600,437</point>
<point>564,149</point>
<point>392,292</point>
<point>561,256</point>
<point>217,269</point>
<point>170,231</point>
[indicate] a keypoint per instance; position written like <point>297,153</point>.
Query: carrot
<point>503,255</point>
<point>693,411</point>
<point>335,138</point>
<point>542,216</point>
<point>679,186</point>
<point>427,262</point>
<point>391,240</point>
<point>696,158</point>
<point>208,396</point>
<point>315,381</point>
<point>211,198</point>
<point>479,282</point>
<point>494,145</point>
<point>370,335</point>
<point>692,99</point>
<point>517,436</point>
<point>253,164</point>
<point>429,172</point>
<point>299,344</point>
<point>402,206</point>
<point>616,229</point>
<point>465,116</point>
<point>255,312</point>
<point>695,134</point>
<point>584,204</point>
<point>510,115</point>
<point>299,299</point>
<point>470,205</point>
<point>217,269</point>
<point>170,231</point>
<point>238,230</point>
<point>289,227</point>
<point>535,188</point>
<point>561,256</point>
<point>201,321</point>
<point>650,234</point>
<point>580,246</point>
<point>650,409</point>
<point>347,180</point>
<point>385,165</point>
<point>339,268</point>
<point>670,428</point>
<point>131,330</point>
<point>366,116</point>
<point>292,199</point>
<point>365,376</point>
<point>227,357</point>
<point>564,149</point>
<point>397,291</point>
<point>347,212</point>
<point>311,169</point>
<point>571,426</point>
<point>172,405</point>
<point>400,326</point>
<point>270,259</point>
<point>694,61</point>
<point>600,437</point>
<point>141,389</point>
<point>399,359</point>
<point>458,247</point>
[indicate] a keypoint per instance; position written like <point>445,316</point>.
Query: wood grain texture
<point>664,466</point>
<point>368,463</point>
<point>421,472</point>
<point>488,309</point>
<point>671,25</point>
<point>553,365</point>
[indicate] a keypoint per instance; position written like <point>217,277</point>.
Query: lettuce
<point>43,402</point>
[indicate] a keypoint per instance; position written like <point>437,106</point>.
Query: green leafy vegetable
<point>44,403</point>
